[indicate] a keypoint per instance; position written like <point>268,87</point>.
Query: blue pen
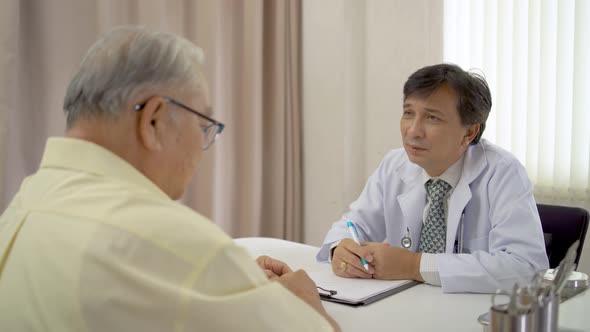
<point>355,236</point>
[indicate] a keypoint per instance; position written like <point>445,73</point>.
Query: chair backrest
<point>562,226</point>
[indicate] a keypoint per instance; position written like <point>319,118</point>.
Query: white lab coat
<point>502,236</point>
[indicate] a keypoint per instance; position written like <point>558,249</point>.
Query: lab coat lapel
<point>459,199</point>
<point>412,201</point>
<point>473,165</point>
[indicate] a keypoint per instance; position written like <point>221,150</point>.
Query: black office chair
<point>562,226</point>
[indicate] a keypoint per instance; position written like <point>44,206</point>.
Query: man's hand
<point>346,262</point>
<point>273,268</point>
<point>394,263</point>
<point>300,284</point>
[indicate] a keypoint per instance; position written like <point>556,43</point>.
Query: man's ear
<point>150,124</point>
<point>472,132</point>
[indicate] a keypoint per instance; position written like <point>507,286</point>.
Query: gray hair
<point>126,60</point>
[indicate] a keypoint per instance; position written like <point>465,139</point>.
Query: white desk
<point>420,308</point>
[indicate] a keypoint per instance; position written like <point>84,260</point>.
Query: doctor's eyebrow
<point>427,109</point>
<point>435,111</point>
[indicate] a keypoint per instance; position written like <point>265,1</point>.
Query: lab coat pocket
<point>476,244</point>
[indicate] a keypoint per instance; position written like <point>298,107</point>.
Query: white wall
<point>356,57</point>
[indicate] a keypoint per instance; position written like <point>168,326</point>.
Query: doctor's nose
<point>415,128</point>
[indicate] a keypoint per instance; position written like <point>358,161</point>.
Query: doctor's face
<point>432,132</point>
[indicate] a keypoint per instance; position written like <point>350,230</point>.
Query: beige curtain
<point>250,181</point>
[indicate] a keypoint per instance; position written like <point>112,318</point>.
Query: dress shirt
<point>90,244</point>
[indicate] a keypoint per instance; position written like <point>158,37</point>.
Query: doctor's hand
<point>346,262</point>
<point>273,268</point>
<point>394,263</point>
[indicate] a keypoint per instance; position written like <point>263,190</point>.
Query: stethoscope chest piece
<point>406,240</point>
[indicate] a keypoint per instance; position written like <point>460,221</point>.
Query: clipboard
<point>356,292</point>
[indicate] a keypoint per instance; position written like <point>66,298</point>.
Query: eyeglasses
<point>210,131</point>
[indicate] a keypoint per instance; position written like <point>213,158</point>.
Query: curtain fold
<point>8,45</point>
<point>282,86</point>
<point>249,182</point>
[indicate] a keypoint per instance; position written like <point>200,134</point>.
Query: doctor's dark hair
<point>474,100</point>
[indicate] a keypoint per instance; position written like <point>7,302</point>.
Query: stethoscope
<point>406,240</point>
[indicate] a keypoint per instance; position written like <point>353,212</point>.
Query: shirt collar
<point>450,176</point>
<point>88,157</point>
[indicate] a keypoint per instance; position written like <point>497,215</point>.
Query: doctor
<point>449,209</point>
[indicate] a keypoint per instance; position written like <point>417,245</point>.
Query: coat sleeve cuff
<point>332,247</point>
<point>326,251</point>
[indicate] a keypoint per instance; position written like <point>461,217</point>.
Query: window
<point>535,56</point>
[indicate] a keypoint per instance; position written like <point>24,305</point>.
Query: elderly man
<point>449,209</point>
<point>94,241</point>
